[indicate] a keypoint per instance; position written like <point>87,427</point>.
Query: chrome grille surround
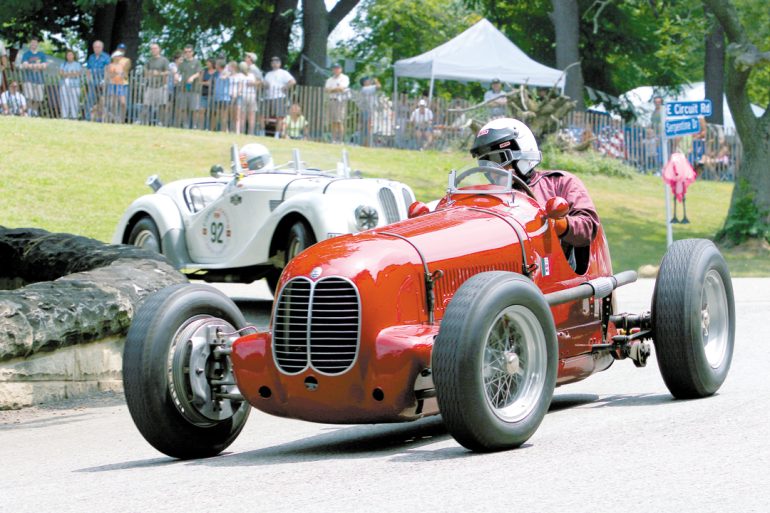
<point>408,200</point>
<point>388,201</point>
<point>317,325</point>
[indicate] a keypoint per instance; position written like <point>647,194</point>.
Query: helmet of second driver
<point>255,157</point>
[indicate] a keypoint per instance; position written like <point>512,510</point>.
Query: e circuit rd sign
<point>679,109</point>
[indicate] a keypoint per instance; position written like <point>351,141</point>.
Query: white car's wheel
<point>145,234</point>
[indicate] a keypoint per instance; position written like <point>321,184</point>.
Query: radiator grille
<point>292,314</point>
<point>388,201</point>
<point>408,200</point>
<point>317,325</point>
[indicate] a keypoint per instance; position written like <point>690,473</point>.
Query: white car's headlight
<point>366,217</point>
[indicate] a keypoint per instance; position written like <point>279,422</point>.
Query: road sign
<point>699,108</point>
<point>684,126</point>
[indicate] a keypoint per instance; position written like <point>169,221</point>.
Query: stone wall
<point>77,292</point>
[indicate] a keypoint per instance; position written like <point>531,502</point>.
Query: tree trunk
<point>315,30</point>
<point>714,72</point>
<point>566,23</point>
<point>126,27</point>
<point>753,176</point>
<point>104,18</point>
<point>279,33</point>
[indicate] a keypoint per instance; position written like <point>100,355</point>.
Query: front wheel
<point>298,239</point>
<point>495,361</point>
<point>178,382</point>
<point>693,317</point>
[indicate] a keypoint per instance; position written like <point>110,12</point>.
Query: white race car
<point>247,224</point>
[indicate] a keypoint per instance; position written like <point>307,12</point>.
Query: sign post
<point>680,125</point>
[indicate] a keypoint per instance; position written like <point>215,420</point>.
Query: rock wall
<point>78,291</point>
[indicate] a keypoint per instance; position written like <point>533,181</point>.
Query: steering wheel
<point>487,171</point>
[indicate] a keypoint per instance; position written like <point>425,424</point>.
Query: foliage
<point>231,27</point>
<point>744,220</point>
<point>755,17</point>
<point>389,30</point>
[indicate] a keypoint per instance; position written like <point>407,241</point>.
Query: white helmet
<point>508,141</point>
<point>255,157</point>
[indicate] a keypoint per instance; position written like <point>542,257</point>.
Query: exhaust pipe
<point>597,288</point>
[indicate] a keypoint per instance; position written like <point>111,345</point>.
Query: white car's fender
<point>165,213</point>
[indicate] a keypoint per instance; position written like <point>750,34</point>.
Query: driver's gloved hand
<point>561,226</point>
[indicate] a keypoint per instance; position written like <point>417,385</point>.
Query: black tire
<point>145,234</point>
<point>298,239</point>
<point>458,360</point>
<point>693,271</point>
<point>148,378</point>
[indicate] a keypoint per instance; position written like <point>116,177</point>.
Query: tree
<point>714,70</point>
<point>566,24</point>
<point>317,24</point>
<point>751,196</point>
<point>279,34</point>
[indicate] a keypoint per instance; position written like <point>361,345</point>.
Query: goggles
<point>506,156</point>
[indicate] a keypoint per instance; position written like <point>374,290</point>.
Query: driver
<point>255,157</point>
<point>510,143</point>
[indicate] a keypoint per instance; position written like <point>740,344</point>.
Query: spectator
<point>337,88</point>
<point>207,78</point>
<point>253,85</point>
<point>248,99</point>
<point>116,78</point>
<point>651,150</point>
<point>155,82</point>
<point>657,112</point>
<point>174,89</point>
<point>367,103</point>
<point>190,72</point>
<point>278,81</point>
<point>496,100</point>
<point>69,90</point>
<point>237,86</point>
<point>95,65</point>
<point>295,124</point>
<point>3,64</point>
<point>220,117</point>
<point>422,120</point>
<point>33,64</point>
<point>13,102</point>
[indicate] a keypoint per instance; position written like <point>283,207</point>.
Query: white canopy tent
<point>480,54</point>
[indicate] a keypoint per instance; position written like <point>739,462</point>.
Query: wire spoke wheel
<point>145,239</point>
<point>514,364</point>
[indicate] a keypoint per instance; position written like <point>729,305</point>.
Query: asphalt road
<point>615,442</point>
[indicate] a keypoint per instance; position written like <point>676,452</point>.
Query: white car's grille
<point>407,198</point>
<point>388,201</point>
<point>317,325</point>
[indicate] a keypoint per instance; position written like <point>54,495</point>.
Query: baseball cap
<point>495,80</point>
<point>422,103</point>
<point>275,58</point>
<point>336,65</point>
<point>121,46</point>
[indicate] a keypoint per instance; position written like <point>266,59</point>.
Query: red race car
<point>472,311</point>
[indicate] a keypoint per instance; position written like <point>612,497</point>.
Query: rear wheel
<point>179,388</point>
<point>145,234</point>
<point>494,361</point>
<point>693,315</point>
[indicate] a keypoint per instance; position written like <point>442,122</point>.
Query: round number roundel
<point>217,231</point>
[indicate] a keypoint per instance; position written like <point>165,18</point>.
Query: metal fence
<point>232,104</point>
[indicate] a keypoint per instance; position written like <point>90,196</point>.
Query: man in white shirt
<point>496,99</point>
<point>277,82</point>
<point>337,87</point>
<point>12,102</point>
<point>422,119</point>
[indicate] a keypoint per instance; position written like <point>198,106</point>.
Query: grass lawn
<point>79,178</point>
